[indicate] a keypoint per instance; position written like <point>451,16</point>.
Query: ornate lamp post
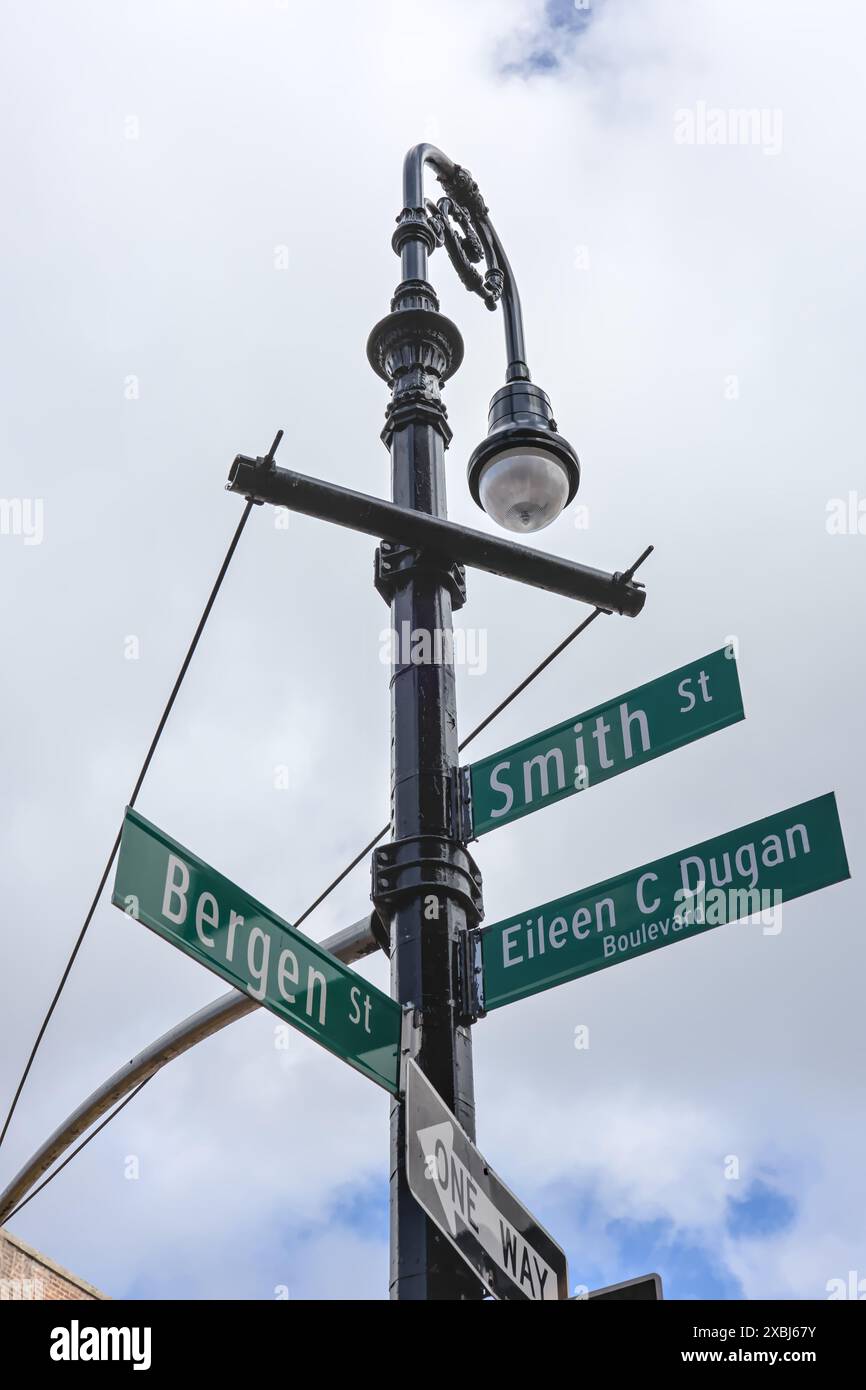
<point>426,886</point>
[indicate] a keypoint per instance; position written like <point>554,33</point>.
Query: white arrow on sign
<point>462,1199</point>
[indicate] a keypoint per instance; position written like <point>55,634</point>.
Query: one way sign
<point>512,1255</point>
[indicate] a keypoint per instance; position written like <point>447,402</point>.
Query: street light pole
<point>425,885</point>
<point>426,888</point>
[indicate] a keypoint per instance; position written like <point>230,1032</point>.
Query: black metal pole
<point>425,885</point>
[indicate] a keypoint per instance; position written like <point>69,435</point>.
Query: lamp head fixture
<point>524,473</point>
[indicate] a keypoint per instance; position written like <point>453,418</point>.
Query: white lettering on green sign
<point>684,705</point>
<point>209,918</point>
<point>745,873</point>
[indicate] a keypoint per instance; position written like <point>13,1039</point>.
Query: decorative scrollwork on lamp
<point>465,247</point>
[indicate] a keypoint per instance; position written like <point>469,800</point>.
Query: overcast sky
<point>196,243</point>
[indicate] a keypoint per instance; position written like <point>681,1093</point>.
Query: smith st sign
<point>656,718</point>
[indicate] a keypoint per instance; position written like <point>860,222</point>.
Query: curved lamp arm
<point>464,205</point>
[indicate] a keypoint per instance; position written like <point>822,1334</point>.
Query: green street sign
<point>745,872</point>
<point>184,900</point>
<point>601,743</point>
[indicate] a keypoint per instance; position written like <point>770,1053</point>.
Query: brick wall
<point>24,1273</point>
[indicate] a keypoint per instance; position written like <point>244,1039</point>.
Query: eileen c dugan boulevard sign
<point>184,900</point>
<point>725,879</point>
<point>656,718</point>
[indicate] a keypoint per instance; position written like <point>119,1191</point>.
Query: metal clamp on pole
<point>464,796</point>
<point>426,864</point>
<point>262,465</point>
<point>471,977</point>
<point>410,1041</point>
<point>397,563</point>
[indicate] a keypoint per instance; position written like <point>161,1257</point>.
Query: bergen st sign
<point>656,718</point>
<point>725,879</point>
<point>513,1256</point>
<point>188,903</point>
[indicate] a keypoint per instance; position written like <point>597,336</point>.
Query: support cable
<point>132,800</point>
